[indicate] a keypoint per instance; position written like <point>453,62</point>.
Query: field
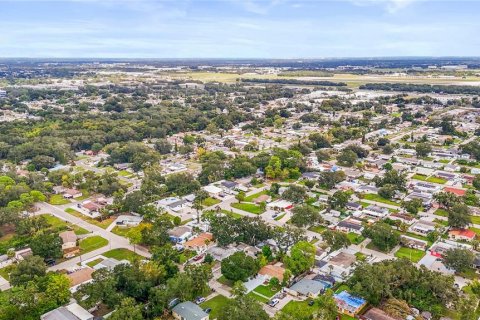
<point>92,243</point>
<point>413,255</point>
<point>248,207</point>
<point>58,199</point>
<point>377,198</point>
<point>266,290</point>
<point>217,303</point>
<point>102,224</point>
<point>121,254</point>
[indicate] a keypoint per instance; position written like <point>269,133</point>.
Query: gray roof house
<point>307,287</point>
<point>69,312</point>
<point>189,311</point>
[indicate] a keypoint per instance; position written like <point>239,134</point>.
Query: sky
<point>238,28</point>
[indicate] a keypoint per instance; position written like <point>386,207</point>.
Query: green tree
<point>240,196</point>
<point>459,216</point>
<point>47,245</point>
<point>27,270</point>
<point>423,149</point>
<point>301,258</point>
<point>243,308</point>
<point>382,235</point>
<point>336,239</point>
<point>305,215</point>
<point>347,158</point>
<point>128,310</point>
<point>458,259</point>
<point>239,266</point>
<point>294,193</point>
<point>338,200</point>
<point>327,307</point>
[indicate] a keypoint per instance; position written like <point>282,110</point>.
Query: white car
<point>273,302</point>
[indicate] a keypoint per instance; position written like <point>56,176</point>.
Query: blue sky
<point>238,28</point>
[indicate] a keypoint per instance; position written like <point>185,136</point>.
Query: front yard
<point>121,254</point>
<point>248,207</point>
<point>102,224</point>
<point>58,199</point>
<point>377,198</point>
<point>217,303</point>
<point>413,255</point>
<point>92,243</point>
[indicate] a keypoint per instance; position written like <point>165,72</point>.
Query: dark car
<point>311,302</point>
<point>208,310</point>
<point>50,262</point>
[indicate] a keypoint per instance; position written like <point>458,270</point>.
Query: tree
<point>128,310</point>
<point>459,216</point>
<point>319,141</point>
<point>57,288</point>
<point>387,191</point>
<point>336,239</point>
<point>446,199</point>
<point>239,289</point>
<point>47,245</point>
<point>240,196</point>
<point>476,182</point>
<point>328,179</point>
<point>327,307</point>
<point>163,146</point>
<point>392,177</point>
<point>458,259</point>
<point>305,215</point>
<point>338,200</point>
<point>412,206</point>
<point>28,270</point>
<point>301,258</point>
<point>322,155</point>
<point>423,149</point>
<point>347,158</point>
<point>287,236</point>
<point>239,266</point>
<point>382,235</point>
<point>294,193</point>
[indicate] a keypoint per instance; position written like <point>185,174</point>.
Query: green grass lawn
<point>120,231</point>
<point>413,255</point>
<point>355,238</point>
<point>476,230</point>
<point>475,219</point>
<point>441,212</point>
<point>248,207</point>
<point>377,198</point>
<point>280,217</point>
<point>318,229</point>
<point>121,254</point>
<point>4,272</point>
<point>60,225</point>
<point>102,224</point>
<point>436,180</point>
<point>125,173</point>
<point>92,243</point>
<point>85,195</point>
<point>217,303</point>
<point>291,307</point>
<point>419,177</point>
<point>93,263</point>
<point>267,290</point>
<point>226,212</point>
<point>210,202</point>
<point>255,296</point>
<point>58,199</point>
<point>360,256</point>
<point>252,197</point>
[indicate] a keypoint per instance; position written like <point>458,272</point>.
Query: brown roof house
<point>200,243</point>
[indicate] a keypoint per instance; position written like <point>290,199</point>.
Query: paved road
<point>115,241</point>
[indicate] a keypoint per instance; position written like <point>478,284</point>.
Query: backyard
<point>216,304</point>
<point>413,255</point>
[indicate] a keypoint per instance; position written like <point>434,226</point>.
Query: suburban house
<point>180,234</point>
<point>350,225</point>
<point>69,239</point>
<point>128,221</point>
<point>461,234</point>
<point>280,205</point>
<point>349,304</point>
<point>412,242</point>
<point>72,194</point>
<point>189,311</point>
<point>376,314</point>
<point>307,287</point>
<point>376,211</point>
<point>200,243</point>
<point>72,311</point>
<point>272,271</point>
<point>422,227</point>
<point>110,263</point>
<point>79,277</point>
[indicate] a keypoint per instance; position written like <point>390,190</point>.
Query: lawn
<point>377,198</point>
<point>93,263</point>
<point>225,281</point>
<point>413,255</point>
<point>102,224</point>
<point>125,173</point>
<point>58,199</point>
<point>317,229</point>
<point>252,197</point>
<point>441,212</point>
<point>217,303</point>
<point>121,254</point>
<point>257,297</point>
<point>120,231</point>
<point>226,212</point>
<point>92,243</point>
<point>475,219</point>
<point>437,180</point>
<point>355,238</point>
<point>267,290</point>
<point>280,217</point>
<point>210,202</point>
<point>248,207</point>
<point>419,177</point>
<point>60,225</point>
<point>360,256</point>
<point>291,307</point>
<point>4,272</point>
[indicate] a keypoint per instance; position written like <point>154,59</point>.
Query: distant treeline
<point>299,82</point>
<point>305,73</point>
<point>423,88</point>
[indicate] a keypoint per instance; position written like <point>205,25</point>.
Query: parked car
<point>311,302</point>
<point>273,302</point>
<point>208,310</point>
<point>198,258</point>
<point>200,300</point>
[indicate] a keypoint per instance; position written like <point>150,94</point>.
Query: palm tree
<point>197,205</point>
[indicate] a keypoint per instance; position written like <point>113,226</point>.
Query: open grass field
<point>252,197</point>
<point>413,255</point>
<point>210,202</point>
<point>121,254</point>
<point>267,291</point>
<point>217,303</point>
<point>58,199</point>
<point>377,198</point>
<point>92,243</point>
<point>248,207</point>
<point>102,224</point>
